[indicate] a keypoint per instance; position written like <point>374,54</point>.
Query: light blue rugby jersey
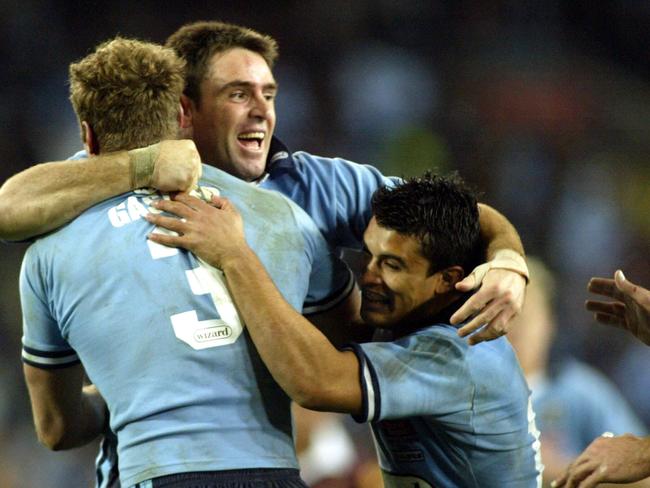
<point>336,194</point>
<point>159,336</point>
<point>445,414</point>
<point>577,404</point>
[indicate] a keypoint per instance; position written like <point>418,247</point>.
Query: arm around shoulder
<point>497,232</point>
<point>502,281</point>
<point>48,195</point>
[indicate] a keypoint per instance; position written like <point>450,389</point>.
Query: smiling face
<point>396,285</point>
<point>234,121</point>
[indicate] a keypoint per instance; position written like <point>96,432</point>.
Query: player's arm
<point>308,367</point>
<point>502,281</point>
<point>497,232</point>
<point>48,195</point>
<point>66,415</point>
<point>304,363</point>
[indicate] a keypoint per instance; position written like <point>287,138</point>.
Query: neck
<point>436,311</point>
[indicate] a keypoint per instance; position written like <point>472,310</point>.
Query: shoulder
<point>30,266</point>
<point>320,166</point>
<point>248,195</point>
<point>442,336</point>
<point>423,373</point>
<point>429,348</point>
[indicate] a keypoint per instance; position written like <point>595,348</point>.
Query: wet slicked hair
<point>441,212</point>
<point>198,42</point>
<point>129,92</point>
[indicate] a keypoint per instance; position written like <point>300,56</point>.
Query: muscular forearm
<point>49,195</point>
<point>300,358</point>
<point>46,196</point>
<point>89,424</point>
<point>497,232</point>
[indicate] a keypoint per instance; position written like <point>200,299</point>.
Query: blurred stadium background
<point>543,104</point>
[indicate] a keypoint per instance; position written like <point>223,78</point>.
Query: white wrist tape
<point>142,162</point>
<point>503,259</point>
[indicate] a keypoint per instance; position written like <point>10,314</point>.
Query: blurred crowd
<point>543,105</point>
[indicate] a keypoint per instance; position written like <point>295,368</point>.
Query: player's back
<point>160,337</point>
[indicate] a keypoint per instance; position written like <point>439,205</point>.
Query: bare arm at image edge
<point>47,196</point>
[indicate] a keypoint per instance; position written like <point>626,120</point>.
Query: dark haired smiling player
<point>443,413</point>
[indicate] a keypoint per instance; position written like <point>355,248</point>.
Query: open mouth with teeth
<point>374,300</point>
<point>251,140</point>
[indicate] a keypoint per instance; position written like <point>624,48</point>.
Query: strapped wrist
<point>142,162</point>
<point>510,260</point>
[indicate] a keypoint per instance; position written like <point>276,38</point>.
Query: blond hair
<point>198,42</point>
<point>129,93</point>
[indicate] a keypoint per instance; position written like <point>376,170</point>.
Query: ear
<point>89,138</point>
<point>186,112</point>
<point>448,279</point>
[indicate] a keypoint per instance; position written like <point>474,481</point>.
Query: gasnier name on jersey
<point>137,206</point>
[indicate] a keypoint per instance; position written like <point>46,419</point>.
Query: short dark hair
<point>198,42</point>
<point>441,212</point>
<point>129,92</point>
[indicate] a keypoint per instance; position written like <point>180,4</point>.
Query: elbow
<point>322,401</point>
<point>52,434</point>
<point>53,441</point>
<point>307,400</point>
<point>313,395</point>
<point>305,392</point>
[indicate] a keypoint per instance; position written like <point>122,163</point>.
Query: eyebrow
<point>386,256</point>
<point>248,84</point>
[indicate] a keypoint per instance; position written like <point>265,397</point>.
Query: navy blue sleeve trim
<point>49,359</point>
<point>371,398</point>
<point>49,354</point>
<point>50,366</point>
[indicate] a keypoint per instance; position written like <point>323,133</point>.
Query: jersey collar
<point>279,156</point>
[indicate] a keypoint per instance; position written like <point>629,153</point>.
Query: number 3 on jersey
<point>203,280</point>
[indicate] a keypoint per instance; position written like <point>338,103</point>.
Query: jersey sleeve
<point>43,345</point>
<point>330,280</point>
<point>338,195</point>
<point>421,374</point>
